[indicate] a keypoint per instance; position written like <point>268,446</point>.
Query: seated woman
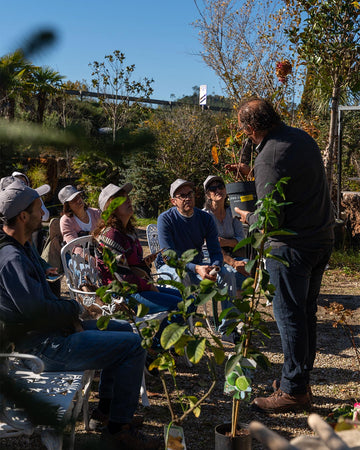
<point>229,228</point>
<point>119,235</point>
<point>77,219</point>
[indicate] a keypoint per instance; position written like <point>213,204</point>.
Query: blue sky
<point>156,36</point>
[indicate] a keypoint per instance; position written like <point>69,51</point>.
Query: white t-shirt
<point>82,225</point>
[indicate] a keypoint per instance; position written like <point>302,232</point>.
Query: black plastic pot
<point>224,442</point>
<point>242,194</point>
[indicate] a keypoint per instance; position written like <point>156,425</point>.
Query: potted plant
<point>240,367</point>
<point>235,155</point>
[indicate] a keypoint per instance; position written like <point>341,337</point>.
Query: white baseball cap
<point>68,193</point>
<point>110,190</point>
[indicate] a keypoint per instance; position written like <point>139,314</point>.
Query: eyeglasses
<point>189,194</point>
<point>214,187</point>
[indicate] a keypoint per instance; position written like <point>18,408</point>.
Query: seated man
<point>185,227</point>
<point>48,327</point>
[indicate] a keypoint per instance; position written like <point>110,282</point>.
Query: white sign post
<point>202,96</point>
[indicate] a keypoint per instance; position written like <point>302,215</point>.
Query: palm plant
<point>44,82</point>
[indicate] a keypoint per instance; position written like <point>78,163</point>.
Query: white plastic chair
<point>79,268</point>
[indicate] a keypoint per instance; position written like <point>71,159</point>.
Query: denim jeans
<point>295,306</point>
<point>224,278</point>
<point>117,352</point>
<point>164,300</point>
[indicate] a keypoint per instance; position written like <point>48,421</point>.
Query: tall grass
<point>145,222</point>
<point>347,260</point>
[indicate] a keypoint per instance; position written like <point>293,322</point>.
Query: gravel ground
<point>335,380</point>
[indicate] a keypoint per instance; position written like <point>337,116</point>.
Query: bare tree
<point>242,42</point>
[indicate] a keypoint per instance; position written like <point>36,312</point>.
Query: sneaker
<point>99,420</point>
<point>280,401</point>
<point>232,338</point>
<point>130,439</point>
<point>276,385</point>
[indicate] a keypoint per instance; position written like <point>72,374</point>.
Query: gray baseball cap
<point>177,184</point>
<point>210,179</point>
<point>110,190</point>
<point>16,197</point>
<point>68,193</point>
<point>6,181</point>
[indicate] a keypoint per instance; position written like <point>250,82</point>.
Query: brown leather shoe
<point>280,401</point>
<point>99,420</point>
<point>130,439</point>
<point>276,385</point>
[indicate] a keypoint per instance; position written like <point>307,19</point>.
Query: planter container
<point>174,438</point>
<point>242,195</point>
<point>223,440</point>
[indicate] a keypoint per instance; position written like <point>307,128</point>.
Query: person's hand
<point>240,267</point>
<point>149,259</point>
<point>204,272</point>
<point>242,213</point>
<point>243,168</point>
<point>51,271</point>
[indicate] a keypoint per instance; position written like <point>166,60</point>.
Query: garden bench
<point>67,391</point>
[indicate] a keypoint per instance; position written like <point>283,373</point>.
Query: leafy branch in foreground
<point>240,368</point>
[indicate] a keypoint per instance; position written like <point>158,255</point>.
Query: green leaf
<point>243,383</point>
<point>171,334</point>
<point>204,298</point>
<point>195,350</point>
<point>231,364</point>
<point>193,400</point>
<point>103,322</point>
<point>219,355</point>
<point>242,243</point>
<point>231,379</point>
<point>247,282</point>
<point>278,258</point>
<point>111,208</point>
<point>189,255</point>
<point>249,265</point>
<point>142,310</point>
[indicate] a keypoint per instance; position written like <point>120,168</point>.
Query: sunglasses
<point>185,196</point>
<point>215,187</point>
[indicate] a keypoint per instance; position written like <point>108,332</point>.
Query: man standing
<point>289,152</point>
<point>48,327</point>
<point>185,227</point>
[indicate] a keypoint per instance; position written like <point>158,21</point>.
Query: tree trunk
<point>330,150</point>
<point>41,98</point>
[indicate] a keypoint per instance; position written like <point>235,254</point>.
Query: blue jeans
<point>295,306</point>
<point>224,278</point>
<point>239,277</point>
<point>166,299</point>
<point>117,352</point>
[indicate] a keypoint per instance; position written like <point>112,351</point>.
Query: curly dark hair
<point>259,114</point>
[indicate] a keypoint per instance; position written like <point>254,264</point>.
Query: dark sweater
<point>180,233</point>
<point>25,296</point>
<point>290,152</point>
